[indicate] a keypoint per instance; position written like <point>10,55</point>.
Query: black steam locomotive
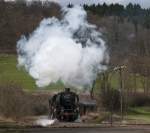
<point>64,106</point>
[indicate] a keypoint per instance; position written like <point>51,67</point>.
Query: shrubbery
<point>110,99</point>
<point>15,103</point>
<point>139,100</point>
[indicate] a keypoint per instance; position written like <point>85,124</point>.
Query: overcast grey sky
<point>143,3</point>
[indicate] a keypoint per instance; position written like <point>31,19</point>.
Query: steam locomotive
<point>64,106</point>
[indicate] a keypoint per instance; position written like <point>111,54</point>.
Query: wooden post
<point>121,93</point>
<point>92,90</point>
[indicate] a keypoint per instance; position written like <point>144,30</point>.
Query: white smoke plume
<point>44,122</point>
<point>69,50</point>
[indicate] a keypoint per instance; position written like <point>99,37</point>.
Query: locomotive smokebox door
<point>64,106</point>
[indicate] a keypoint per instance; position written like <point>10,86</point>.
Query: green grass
<point>9,73</point>
<point>114,81</point>
<point>140,114</point>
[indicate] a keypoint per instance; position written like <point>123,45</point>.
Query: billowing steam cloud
<point>70,50</point>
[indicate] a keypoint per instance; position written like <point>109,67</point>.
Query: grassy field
<point>139,114</point>
<point>9,73</point>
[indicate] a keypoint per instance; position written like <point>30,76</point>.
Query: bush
<point>139,100</point>
<point>110,99</point>
<point>39,104</point>
<point>15,103</point>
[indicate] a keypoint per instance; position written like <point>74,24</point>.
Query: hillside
<point>125,29</point>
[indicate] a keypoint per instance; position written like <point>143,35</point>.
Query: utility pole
<point>120,68</point>
<point>121,93</point>
<point>92,89</point>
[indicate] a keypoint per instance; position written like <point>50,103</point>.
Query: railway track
<point>139,129</point>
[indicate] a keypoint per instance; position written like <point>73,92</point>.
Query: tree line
<point>133,12</point>
<point>18,17</point>
<point>127,29</point>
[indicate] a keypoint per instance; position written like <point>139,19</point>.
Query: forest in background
<point>125,29</point>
